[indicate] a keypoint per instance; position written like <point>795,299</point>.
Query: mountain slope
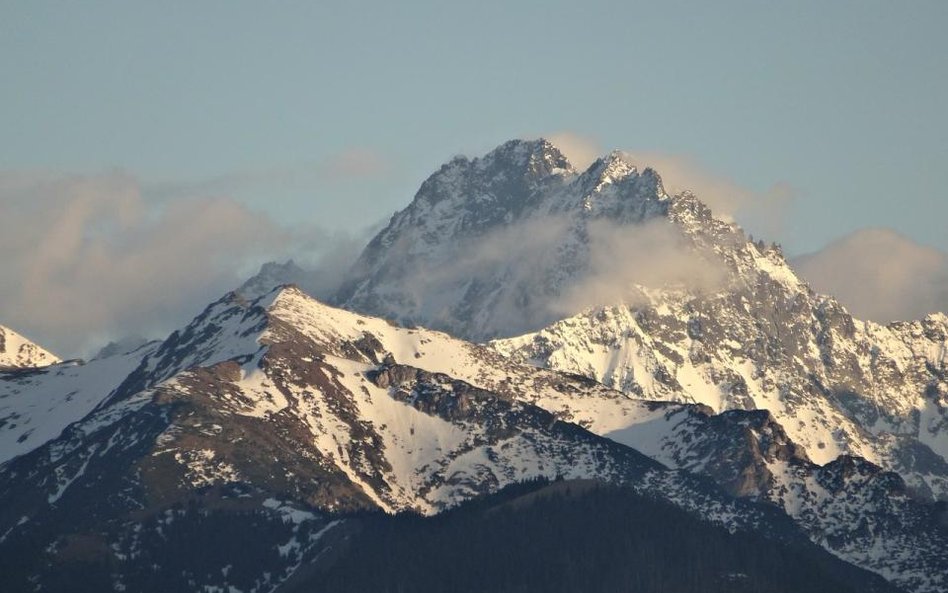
<point>850,506</point>
<point>839,386</point>
<point>37,404</point>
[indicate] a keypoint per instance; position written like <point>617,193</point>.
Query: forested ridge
<point>571,537</point>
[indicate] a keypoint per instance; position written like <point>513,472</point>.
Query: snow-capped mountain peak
<point>17,351</point>
<point>611,168</point>
<point>496,246</point>
<point>536,158</point>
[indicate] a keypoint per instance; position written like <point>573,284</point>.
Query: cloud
<point>438,288</point>
<point>761,212</point>
<point>86,258</point>
<point>654,254</point>
<point>553,275</point>
<point>325,259</point>
<point>880,275</point>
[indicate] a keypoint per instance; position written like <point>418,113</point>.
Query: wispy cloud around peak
<point>762,212</point>
<point>580,150</point>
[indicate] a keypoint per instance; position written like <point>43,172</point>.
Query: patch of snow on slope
<point>36,406</point>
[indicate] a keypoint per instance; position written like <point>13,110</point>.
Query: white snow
<point>204,469</point>
<point>36,407</point>
<point>64,482</point>
<point>19,352</point>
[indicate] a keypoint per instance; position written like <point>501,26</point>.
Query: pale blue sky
<point>843,100</point>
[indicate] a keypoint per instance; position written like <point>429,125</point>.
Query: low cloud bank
<point>880,275</point>
<point>87,259</point>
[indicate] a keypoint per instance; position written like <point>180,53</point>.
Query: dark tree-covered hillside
<point>573,537</point>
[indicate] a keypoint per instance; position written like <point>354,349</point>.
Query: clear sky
<point>330,114</point>
<point>846,101</point>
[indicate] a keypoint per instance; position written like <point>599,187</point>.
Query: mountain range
<point>520,320</point>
